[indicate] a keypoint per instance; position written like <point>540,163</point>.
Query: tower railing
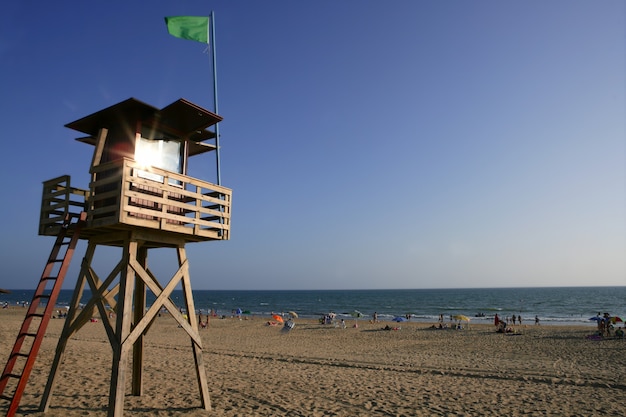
<point>124,194</point>
<point>58,200</point>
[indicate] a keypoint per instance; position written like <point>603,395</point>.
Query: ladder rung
<point>36,315</point>
<point>16,376</point>
<point>23,355</point>
<point>41,296</point>
<point>48,278</point>
<point>28,334</point>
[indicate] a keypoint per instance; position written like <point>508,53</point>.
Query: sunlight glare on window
<point>146,155</point>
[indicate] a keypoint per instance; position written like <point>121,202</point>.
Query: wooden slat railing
<point>123,194</point>
<point>126,193</point>
<point>58,199</point>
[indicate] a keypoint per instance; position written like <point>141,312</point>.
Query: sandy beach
<point>319,370</point>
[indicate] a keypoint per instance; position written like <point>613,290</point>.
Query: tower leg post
<point>139,311</point>
<point>196,346</point>
<point>122,346</point>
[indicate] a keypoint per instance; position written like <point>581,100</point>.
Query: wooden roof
<point>181,118</point>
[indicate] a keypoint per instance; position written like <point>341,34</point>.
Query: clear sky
<point>369,144</point>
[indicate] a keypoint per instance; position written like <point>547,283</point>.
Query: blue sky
<point>369,144</point>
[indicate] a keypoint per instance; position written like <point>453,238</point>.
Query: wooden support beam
<point>161,300</point>
<point>122,329</point>
<point>99,148</point>
<point>128,298</point>
<point>164,298</point>
<point>195,345</point>
<point>138,343</point>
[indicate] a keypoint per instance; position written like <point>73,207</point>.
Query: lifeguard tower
<point>139,198</point>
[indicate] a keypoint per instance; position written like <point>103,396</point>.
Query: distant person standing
<point>536,320</point>
<point>519,320</point>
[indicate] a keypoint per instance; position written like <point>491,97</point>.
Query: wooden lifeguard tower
<point>139,198</point>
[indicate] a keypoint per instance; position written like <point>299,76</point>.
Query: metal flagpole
<point>215,109</point>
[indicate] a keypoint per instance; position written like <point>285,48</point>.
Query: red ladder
<point>33,331</point>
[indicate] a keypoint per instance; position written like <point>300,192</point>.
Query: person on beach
<point>375,317</point>
<point>536,320</point>
<point>503,328</point>
<point>496,320</point>
<point>519,320</point>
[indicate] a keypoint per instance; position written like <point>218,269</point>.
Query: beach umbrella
<point>461,317</point>
<point>293,314</point>
<point>277,318</point>
<point>356,314</point>
<point>398,319</point>
<point>615,319</point>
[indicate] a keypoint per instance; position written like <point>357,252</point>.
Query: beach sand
<point>319,370</point>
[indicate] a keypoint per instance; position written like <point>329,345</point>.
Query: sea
<point>552,305</point>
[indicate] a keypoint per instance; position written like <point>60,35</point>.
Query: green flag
<point>195,28</point>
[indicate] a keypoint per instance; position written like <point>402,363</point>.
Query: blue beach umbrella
<point>399,319</point>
